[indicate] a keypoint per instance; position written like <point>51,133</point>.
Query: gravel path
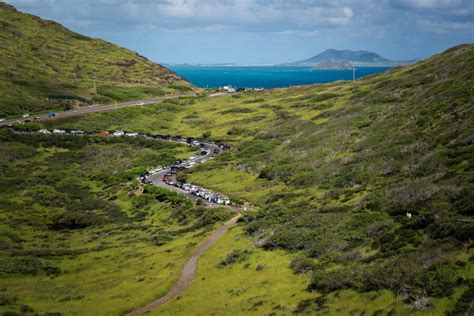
<point>189,270</point>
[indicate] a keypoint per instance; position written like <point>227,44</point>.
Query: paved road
<point>157,178</point>
<point>100,108</point>
<point>92,109</point>
<point>187,275</point>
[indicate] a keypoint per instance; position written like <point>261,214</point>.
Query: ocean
<point>265,76</point>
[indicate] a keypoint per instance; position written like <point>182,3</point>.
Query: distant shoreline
<point>268,77</point>
<point>268,66</point>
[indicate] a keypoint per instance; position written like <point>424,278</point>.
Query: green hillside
<point>334,171</point>
<point>43,64</point>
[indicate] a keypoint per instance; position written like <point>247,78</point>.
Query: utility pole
<point>95,88</point>
<point>353,74</point>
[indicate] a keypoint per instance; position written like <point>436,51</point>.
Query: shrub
<point>235,256</point>
<point>288,238</point>
<point>27,127</point>
<point>164,195</point>
<point>464,305</point>
<point>301,264</point>
<point>74,220</point>
<point>160,238</point>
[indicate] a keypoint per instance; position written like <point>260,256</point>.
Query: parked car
<point>2,119</point>
<point>59,131</point>
<point>51,114</point>
<point>44,131</point>
<point>25,115</point>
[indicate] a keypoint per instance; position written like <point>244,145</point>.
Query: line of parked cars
<point>196,190</point>
<point>177,167</point>
<point>189,140</point>
<point>203,193</point>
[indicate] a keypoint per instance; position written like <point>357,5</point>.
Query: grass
<point>240,288</point>
<point>332,171</point>
<point>78,235</point>
<point>46,66</point>
<point>112,280</point>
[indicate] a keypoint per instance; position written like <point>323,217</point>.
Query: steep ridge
<point>43,65</point>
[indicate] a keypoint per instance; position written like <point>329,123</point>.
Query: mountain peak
<point>363,56</point>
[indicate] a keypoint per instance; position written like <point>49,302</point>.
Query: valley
<point>127,190</point>
<point>359,221</point>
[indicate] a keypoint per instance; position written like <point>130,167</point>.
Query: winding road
<point>189,270</point>
<point>157,178</point>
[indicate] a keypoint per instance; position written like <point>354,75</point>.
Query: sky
<point>264,31</point>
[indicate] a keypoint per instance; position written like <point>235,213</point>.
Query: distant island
<point>330,59</point>
<point>345,59</point>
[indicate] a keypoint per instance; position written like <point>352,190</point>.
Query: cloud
<point>272,16</point>
<point>394,25</point>
<point>348,12</point>
<point>428,4</point>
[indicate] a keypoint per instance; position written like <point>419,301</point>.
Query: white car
<point>140,103</point>
<point>25,115</point>
<point>59,131</point>
<point>118,133</point>
<point>44,131</point>
<point>2,119</point>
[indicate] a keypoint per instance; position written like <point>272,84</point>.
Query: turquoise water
<point>265,76</point>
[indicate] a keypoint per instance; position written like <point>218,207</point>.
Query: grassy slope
<point>132,249</point>
<point>334,168</point>
<point>41,58</point>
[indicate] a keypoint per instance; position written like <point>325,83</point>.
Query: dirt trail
<point>189,270</point>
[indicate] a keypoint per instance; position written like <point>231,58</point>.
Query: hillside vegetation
<point>43,65</point>
<point>368,185</point>
<point>78,236</point>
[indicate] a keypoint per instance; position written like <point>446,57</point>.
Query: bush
<point>464,305</point>
<point>27,127</point>
<point>160,238</point>
<point>301,265</point>
<point>206,135</point>
<point>164,195</point>
<point>209,217</point>
<point>73,221</point>
<point>235,256</point>
<point>288,238</point>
